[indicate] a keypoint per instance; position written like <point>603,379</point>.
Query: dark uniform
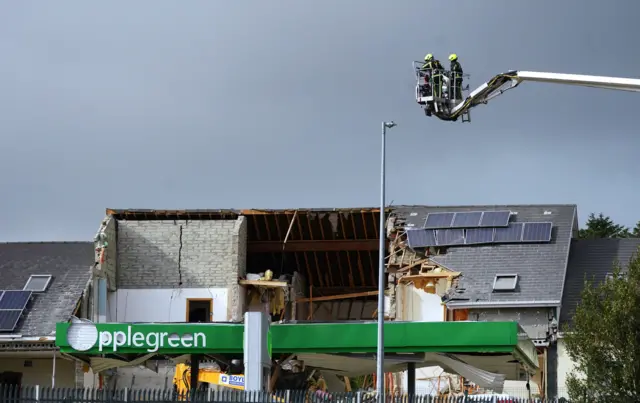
<point>456,77</point>
<point>425,72</point>
<point>438,70</point>
<point>435,70</point>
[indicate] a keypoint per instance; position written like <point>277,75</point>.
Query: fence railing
<point>37,394</point>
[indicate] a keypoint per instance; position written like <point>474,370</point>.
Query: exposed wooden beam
<point>324,291</point>
<point>338,297</point>
<point>314,246</point>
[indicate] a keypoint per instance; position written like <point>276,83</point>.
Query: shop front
<point>500,349</point>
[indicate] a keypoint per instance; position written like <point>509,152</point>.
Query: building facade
<point>592,259</point>
<point>41,284</point>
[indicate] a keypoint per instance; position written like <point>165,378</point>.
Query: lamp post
<point>380,354</point>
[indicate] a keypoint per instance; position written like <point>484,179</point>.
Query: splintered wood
<point>408,266</point>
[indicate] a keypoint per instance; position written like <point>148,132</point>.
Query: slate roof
<point>70,265</point>
<point>593,258</point>
<point>541,267</point>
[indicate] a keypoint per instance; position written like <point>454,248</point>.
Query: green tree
<point>602,226</point>
<point>636,230</point>
<point>603,340</point>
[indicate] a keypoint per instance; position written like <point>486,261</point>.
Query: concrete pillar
<point>257,357</point>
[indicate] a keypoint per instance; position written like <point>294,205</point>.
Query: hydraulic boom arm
<point>506,81</point>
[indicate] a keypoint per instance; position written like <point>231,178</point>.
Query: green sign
<point>178,338</point>
<point>322,338</point>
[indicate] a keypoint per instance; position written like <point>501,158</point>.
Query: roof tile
<point>70,265</point>
<point>541,267</point>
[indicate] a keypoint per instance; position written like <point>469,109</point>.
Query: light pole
<point>380,354</point>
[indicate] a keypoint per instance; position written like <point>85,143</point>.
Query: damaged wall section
<point>180,253</point>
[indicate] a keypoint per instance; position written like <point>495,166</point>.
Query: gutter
<point>505,304</point>
<point>4,338</point>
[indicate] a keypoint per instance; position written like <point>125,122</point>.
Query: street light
<point>381,251</point>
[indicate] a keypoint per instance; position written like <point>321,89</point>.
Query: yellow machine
<point>182,378</point>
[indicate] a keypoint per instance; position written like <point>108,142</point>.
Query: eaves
<point>28,344</point>
<point>503,304</point>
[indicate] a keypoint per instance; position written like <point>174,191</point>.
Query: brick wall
<point>235,306</point>
<point>186,253</point>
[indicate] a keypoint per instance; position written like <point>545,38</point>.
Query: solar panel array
<point>12,305</point>
<point>467,219</point>
<point>528,232</point>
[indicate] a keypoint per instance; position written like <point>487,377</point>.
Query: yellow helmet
<point>428,57</point>
<point>453,57</point>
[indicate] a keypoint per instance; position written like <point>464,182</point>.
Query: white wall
<point>417,305</point>
<point>162,305</point>
<point>40,371</point>
<point>565,367</point>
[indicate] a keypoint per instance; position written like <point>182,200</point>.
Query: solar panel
<point>450,237</point>
<point>478,236</point>
<point>537,232</point>
<point>421,238</point>
<point>512,233</point>
<point>439,220</point>
<point>467,219</point>
<point>9,319</point>
<point>495,219</point>
<point>15,299</point>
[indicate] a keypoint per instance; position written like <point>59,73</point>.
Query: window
<point>505,282</point>
<point>37,283</point>
<point>199,310</point>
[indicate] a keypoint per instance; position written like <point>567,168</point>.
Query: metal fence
<point>37,394</point>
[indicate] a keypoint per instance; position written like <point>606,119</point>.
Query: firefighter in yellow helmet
<point>456,77</point>
<point>434,69</point>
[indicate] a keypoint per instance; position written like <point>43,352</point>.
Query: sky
<point>278,104</point>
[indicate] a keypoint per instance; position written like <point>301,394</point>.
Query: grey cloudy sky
<point>216,104</point>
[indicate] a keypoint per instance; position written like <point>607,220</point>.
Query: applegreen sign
<point>167,338</point>
<point>323,338</point>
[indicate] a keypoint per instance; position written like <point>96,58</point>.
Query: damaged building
<point>471,263</point>
<point>214,265</point>
<point>487,263</point>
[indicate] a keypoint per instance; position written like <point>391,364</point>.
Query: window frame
<point>49,277</point>
<point>188,304</point>
<point>514,276</point>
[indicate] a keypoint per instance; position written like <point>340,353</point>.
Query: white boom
<point>503,82</point>
<point>448,109</point>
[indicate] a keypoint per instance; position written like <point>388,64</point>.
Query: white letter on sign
<point>119,339</point>
<point>104,340</point>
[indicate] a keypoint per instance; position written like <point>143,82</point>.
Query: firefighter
<point>433,68</point>
<point>425,71</point>
<point>456,77</point>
